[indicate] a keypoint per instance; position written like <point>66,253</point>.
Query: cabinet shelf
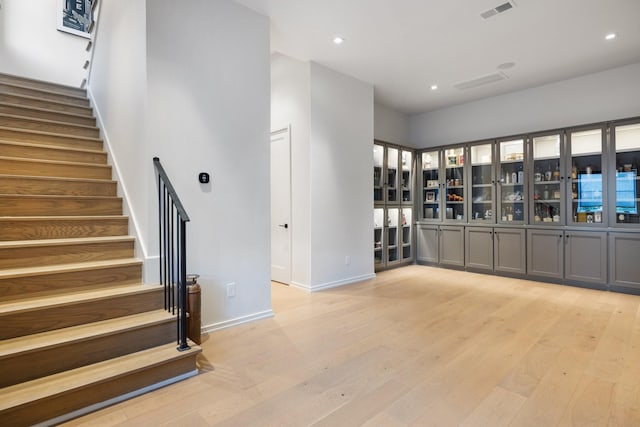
<point>547,201</point>
<point>453,187</point>
<point>482,201</point>
<point>546,182</point>
<point>455,203</point>
<point>430,203</point>
<point>505,184</point>
<point>482,185</point>
<point>511,162</point>
<point>406,245</point>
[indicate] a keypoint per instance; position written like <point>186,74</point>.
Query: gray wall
<point>611,94</point>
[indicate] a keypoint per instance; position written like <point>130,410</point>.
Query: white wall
<point>341,202</point>
<point>291,106</point>
<point>608,95</point>
<point>119,94</point>
<point>390,125</point>
<point>31,46</point>
<point>207,109</point>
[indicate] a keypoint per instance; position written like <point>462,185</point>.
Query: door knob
<point>283,225</point>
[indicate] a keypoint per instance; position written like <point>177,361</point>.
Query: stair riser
<point>64,254</point>
<point>72,355</point>
<point>28,168</point>
<point>44,186</point>
<point>60,405</point>
<point>44,153</point>
<point>58,206</point>
<point>32,322</point>
<point>61,128</point>
<point>17,90</point>
<point>21,229</point>
<point>47,105</point>
<point>21,287</point>
<point>52,87</point>
<point>47,115</point>
<point>18,135</point>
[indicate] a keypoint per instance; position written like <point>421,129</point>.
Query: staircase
<point>77,325</point>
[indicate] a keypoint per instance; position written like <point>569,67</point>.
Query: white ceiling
<point>402,47</point>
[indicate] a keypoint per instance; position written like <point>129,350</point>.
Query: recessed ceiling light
<point>610,36</point>
<point>434,87</point>
<point>338,40</point>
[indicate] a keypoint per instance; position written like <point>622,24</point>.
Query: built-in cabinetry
<point>559,205</point>
<point>495,249</point>
<point>441,245</point>
<point>393,218</point>
<point>575,256</point>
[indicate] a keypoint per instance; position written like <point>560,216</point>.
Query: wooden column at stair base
<point>53,406</point>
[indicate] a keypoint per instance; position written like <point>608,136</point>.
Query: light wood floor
<point>415,346</point>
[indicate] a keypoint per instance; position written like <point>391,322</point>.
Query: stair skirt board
<point>115,400</point>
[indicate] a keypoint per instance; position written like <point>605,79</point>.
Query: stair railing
<point>173,252</point>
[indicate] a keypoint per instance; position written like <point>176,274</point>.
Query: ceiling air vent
<point>480,81</point>
<point>498,9</point>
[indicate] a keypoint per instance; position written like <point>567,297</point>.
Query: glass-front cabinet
<point>626,196</point>
<point>393,193</point>
<point>482,183</point>
<point>378,237</point>
<point>547,193</point>
<point>378,177</point>
<point>406,224</point>
<point>393,198</point>
<point>511,188</point>
<point>454,188</point>
<point>430,161</point>
<point>587,182</point>
<point>406,177</point>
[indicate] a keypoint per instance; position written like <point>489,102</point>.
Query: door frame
<point>277,131</point>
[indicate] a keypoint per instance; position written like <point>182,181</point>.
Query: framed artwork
<point>75,17</point>
<point>430,196</point>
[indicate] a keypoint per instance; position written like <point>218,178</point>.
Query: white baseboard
<point>300,286</point>
<point>237,321</point>
<point>343,282</point>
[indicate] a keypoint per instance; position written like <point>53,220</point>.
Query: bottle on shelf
<point>548,174</point>
<point>556,173</point>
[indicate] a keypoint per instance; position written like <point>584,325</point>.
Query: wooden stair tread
<point>66,268</point>
<point>59,218</point>
<point>14,346</point>
<point>36,83</point>
<point>44,110</point>
<point>58,178</point>
<point>55,197</point>
<point>35,303</point>
<point>64,382</point>
<point>47,91</point>
<point>50,147</point>
<point>46,121</point>
<point>56,162</point>
<point>45,133</point>
<point>47,104</point>
<point>13,244</point>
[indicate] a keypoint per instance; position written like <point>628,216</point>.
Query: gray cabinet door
<point>586,256</point>
<point>427,238</point>
<point>479,248</point>
<point>545,253</point>
<point>624,265</point>
<point>509,250</point>
<point>452,246</point>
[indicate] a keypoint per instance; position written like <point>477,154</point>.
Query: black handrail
<point>172,224</point>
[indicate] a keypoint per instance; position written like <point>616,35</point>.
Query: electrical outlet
<point>231,290</point>
<point>347,260</point>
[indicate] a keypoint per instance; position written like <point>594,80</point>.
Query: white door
<point>281,206</point>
